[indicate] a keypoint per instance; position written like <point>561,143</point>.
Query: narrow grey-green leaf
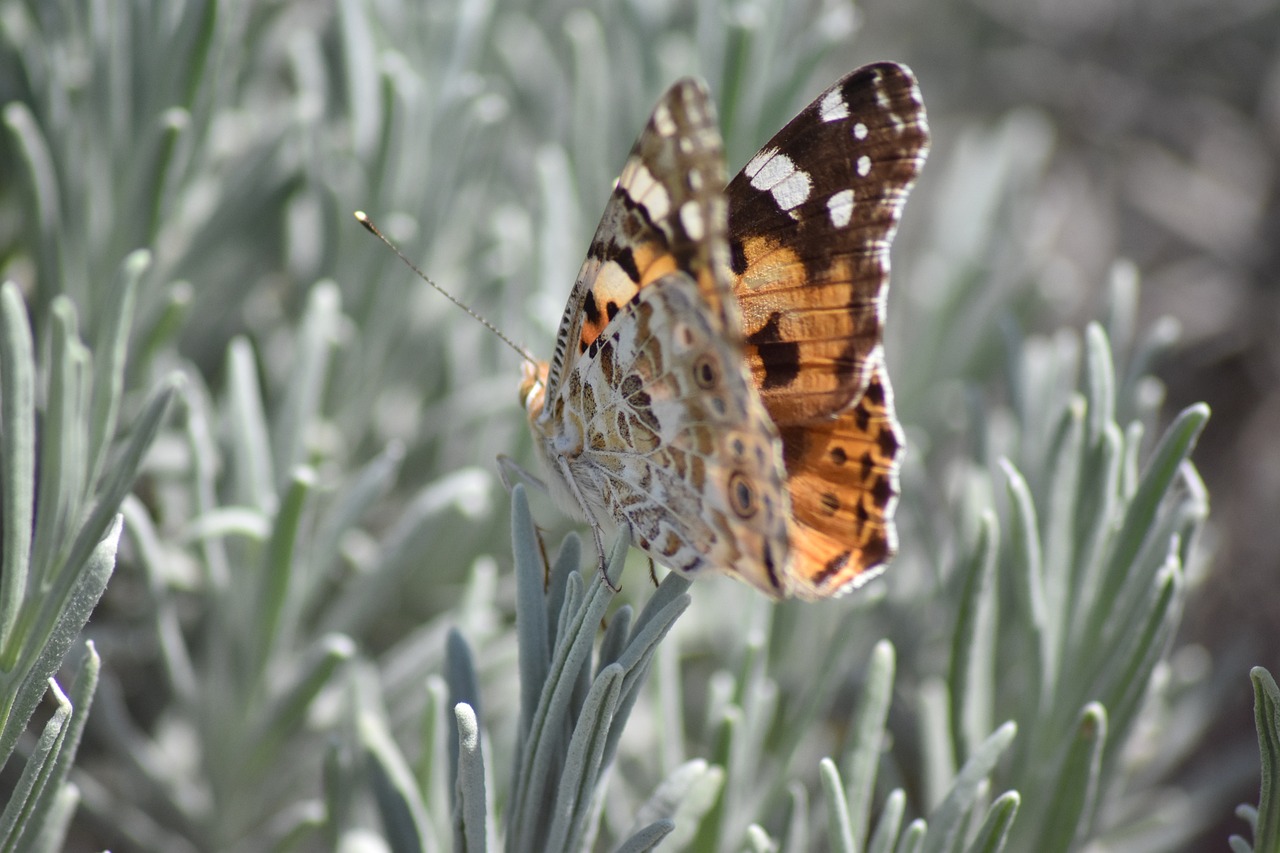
<point>758,841</point>
<point>464,688</point>
<point>1057,515</point>
<point>839,828</point>
<point>654,622</point>
<point>994,832</point>
<point>81,697</point>
<point>303,395</point>
<point>947,819</point>
<point>972,675</point>
<point>371,482</point>
<point>1142,647</point>
<point>51,836</point>
<point>83,686</point>
<point>1175,446</point>
<point>1099,381</point>
<point>867,740</point>
<point>123,469</point>
<point>796,834</point>
<point>683,798</point>
<point>45,212</point>
<point>395,794</point>
<point>1095,514</point>
<point>615,637</point>
<point>361,75</point>
<point>889,824</point>
<point>583,761</point>
<point>278,570</point>
<point>646,839</point>
<point>66,619</point>
<point>471,808</point>
<point>1070,809</point>
<point>532,632</point>
<point>315,672</point>
<point>18,461</point>
<point>914,837</point>
<point>545,745</point>
<point>111,352</point>
<point>170,137</point>
<point>1266,714</point>
<point>1029,576</point>
<point>28,790</point>
<point>63,441</point>
<point>567,564</point>
<point>253,471</point>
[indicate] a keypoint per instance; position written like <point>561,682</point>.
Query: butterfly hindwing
<point>675,443</point>
<point>842,477</point>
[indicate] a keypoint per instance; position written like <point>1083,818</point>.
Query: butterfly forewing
<point>666,212</point>
<point>811,219</point>
<point>650,419</point>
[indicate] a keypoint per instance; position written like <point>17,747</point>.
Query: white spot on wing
<point>778,175</point>
<point>859,131</point>
<point>643,189</point>
<point>793,191</point>
<point>833,106</point>
<point>757,161</point>
<point>663,121</point>
<point>691,219</point>
<point>840,208</point>
<point>864,166</point>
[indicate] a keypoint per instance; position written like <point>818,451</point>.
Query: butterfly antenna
<point>364,220</point>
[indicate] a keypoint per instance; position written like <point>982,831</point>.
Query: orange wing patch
<point>615,281</point>
<point>808,331</point>
<point>843,480</point>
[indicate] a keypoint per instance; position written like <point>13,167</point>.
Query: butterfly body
<point>717,384</point>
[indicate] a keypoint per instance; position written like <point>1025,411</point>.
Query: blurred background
<point>1080,148</point>
<point>1165,122</point>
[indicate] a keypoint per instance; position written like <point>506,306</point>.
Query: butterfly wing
<point>665,208</point>
<point>675,441</point>
<point>650,418</point>
<point>812,216</point>
<point>842,475</point>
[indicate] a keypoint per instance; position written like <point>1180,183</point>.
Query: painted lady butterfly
<point>718,382</point>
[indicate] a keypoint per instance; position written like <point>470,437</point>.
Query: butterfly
<point>718,385</point>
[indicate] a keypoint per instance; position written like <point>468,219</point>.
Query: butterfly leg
<point>591,520</point>
<point>510,471</point>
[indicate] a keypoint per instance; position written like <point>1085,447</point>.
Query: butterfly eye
<point>706,372</point>
<point>742,497</point>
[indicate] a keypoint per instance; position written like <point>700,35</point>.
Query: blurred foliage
<point>225,398</point>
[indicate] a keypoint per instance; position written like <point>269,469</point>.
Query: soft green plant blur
<point>256,456</point>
